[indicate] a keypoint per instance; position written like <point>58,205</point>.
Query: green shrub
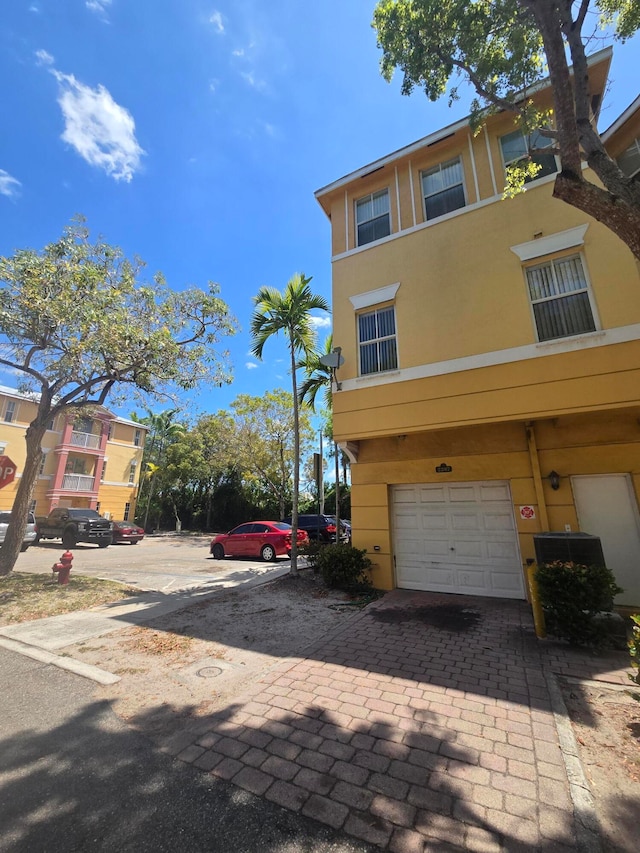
<point>342,567</point>
<point>571,595</point>
<point>634,648</point>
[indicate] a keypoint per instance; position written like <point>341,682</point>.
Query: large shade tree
<point>503,47</point>
<point>288,312</point>
<point>79,326</point>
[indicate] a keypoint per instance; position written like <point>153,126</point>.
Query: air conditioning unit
<point>575,547</point>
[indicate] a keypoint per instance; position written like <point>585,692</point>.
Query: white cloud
<point>9,185</point>
<point>216,20</point>
<point>44,57</point>
<point>213,84</point>
<point>238,52</point>
<point>251,365</point>
<point>101,131</point>
<point>320,322</point>
<point>99,7</point>
<point>255,83</point>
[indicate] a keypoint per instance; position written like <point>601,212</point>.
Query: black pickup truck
<point>73,525</point>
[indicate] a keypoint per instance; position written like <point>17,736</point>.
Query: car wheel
<point>69,539</point>
<point>218,551</point>
<point>268,553</point>
<point>103,544</point>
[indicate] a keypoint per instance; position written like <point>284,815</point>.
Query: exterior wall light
<point>554,480</point>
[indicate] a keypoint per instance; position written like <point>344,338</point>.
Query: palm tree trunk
<point>296,461</point>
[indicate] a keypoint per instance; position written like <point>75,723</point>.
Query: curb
<point>102,676</point>
<point>588,836</point>
<point>86,670</point>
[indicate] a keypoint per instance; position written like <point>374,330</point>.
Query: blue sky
<point>195,133</point>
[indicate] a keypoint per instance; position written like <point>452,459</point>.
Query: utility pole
<point>321,479</point>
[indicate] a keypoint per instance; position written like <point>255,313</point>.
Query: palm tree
<point>163,431</point>
<point>318,378</point>
<point>288,312</point>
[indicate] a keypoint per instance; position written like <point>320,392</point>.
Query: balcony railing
<point>85,439</point>
<point>77,483</point>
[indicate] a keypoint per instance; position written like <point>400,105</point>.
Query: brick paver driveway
<point>424,725</point>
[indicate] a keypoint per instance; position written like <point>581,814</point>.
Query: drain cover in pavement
<point>445,617</point>
<point>209,671</point>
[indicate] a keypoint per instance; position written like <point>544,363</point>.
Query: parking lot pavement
<point>163,563</point>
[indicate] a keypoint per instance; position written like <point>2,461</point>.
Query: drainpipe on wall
<point>537,477</point>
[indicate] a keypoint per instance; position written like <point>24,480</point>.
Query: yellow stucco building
<point>490,388</point>
<point>93,461</point>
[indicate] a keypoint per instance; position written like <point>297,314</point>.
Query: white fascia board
<point>374,297</point>
<point>617,124</point>
<point>432,138</point>
<point>553,243</point>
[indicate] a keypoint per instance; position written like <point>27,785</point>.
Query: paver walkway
<point>425,725</point>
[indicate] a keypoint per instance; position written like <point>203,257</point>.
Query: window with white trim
<point>629,160</point>
<point>103,473</point>
<point>559,295</point>
<point>518,148</point>
<point>132,472</point>
<point>373,218</point>
<point>137,439</point>
<point>443,188</point>
<point>10,411</point>
<point>127,510</point>
<point>43,463</point>
<point>377,340</point>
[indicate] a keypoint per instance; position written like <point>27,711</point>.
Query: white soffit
<point>553,243</point>
<point>374,297</point>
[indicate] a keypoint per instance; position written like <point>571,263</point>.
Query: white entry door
<point>457,537</point>
<point>607,507</point>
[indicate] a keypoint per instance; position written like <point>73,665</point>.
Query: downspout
<point>537,477</point>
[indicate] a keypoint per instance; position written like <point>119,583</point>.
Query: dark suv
<point>321,528</point>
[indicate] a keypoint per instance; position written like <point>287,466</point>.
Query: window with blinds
<point>560,298</point>
<point>518,148</point>
<point>377,341</point>
<point>629,160</point>
<point>443,189</point>
<point>373,221</point>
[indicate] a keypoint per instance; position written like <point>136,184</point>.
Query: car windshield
<point>83,513</point>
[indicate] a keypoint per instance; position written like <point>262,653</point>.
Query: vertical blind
<point>443,189</point>
<point>377,332</point>
<point>372,217</point>
<point>560,299</point>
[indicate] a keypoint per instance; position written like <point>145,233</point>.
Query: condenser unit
<point>575,547</point>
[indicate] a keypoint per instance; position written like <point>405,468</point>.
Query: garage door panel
<point>489,492</point>
<point>461,538</point>
<point>465,521</point>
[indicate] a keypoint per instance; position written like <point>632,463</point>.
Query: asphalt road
<point>164,562</point>
<point>74,779</point>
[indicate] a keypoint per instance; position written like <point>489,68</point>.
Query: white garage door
<point>457,537</point>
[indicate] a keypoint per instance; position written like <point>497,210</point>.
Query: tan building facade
<point>91,461</point>
<point>491,380</point>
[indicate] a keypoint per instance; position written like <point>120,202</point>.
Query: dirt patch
<point>444,617</point>
<point>606,723</point>
<point>24,597</point>
<point>196,661</point>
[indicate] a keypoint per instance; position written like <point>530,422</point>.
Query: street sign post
<point>7,471</point>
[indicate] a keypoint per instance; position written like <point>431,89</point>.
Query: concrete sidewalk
<point>40,638</point>
<point>427,724</point>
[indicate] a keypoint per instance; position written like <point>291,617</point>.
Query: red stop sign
<point>7,471</point>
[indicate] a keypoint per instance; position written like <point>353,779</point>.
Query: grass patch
<point>24,597</point>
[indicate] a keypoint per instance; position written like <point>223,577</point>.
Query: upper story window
<point>137,437</point>
<point>373,220</point>
<point>84,425</point>
<point>377,341</point>
<point>517,148</point>
<point>559,295</point>
<point>443,188</point>
<point>127,510</point>
<point>132,472</point>
<point>629,160</point>
<point>10,411</point>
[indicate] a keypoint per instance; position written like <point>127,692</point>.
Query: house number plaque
<point>443,468</point>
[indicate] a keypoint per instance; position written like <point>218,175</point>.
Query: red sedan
<point>125,531</point>
<point>266,539</point>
